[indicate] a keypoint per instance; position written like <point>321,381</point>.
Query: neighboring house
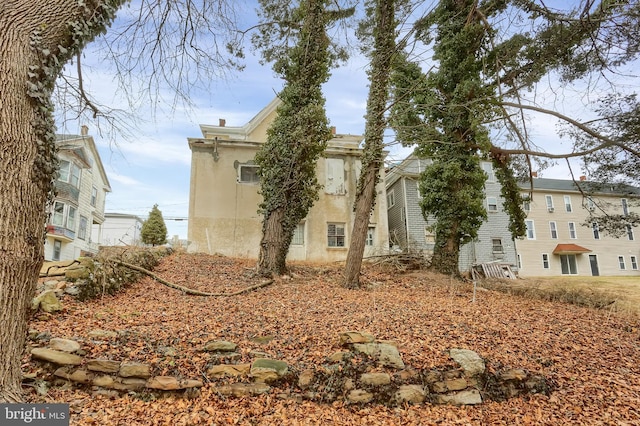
<point>224,199</point>
<point>121,229</point>
<point>408,229</point>
<point>77,212</point>
<point>560,242</point>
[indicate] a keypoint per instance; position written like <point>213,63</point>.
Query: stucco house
<point>561,241</point>
<point>76,214</point>
<point>224,198</point>
<point>408,229</point>
<point>121,229</point>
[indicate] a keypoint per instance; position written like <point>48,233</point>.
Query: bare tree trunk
<point>22,206</point>
<point>273,246</point>
<point>382,56</point>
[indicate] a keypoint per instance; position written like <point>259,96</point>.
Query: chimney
<point>84,130</point>
<point>333,130</point>
<point>583,178</point>
<point>534,174</point>
<point>222,122</point>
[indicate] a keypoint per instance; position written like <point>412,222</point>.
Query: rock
<point>359,396</point>
<point>220,346</point>
<point>56,357</point>
<point>407,374</point>
<point>64,345</point>
<point>76,273</point>
<point>233,370</point>
<point>413,394</point>
<point>227,356</point>
<point>243,389</point>
<point>306,378</point>
<point>348,385</point>
<point>375,379</point>
<point>386,354</point>
<point>102,334</point>
<point>72,290</point>
<point>515,374</point>
<point>134,369</point>
<point>78,376</point>
<point>104,381</point>
<point>338,356</point>
<point>47,301</point>
<point>267,370</point>
<point>129,384</point>
<point>259,354</point>
<point>456,384</point>
<point>172,383</point>
<point>103,365</point>
<point>439,387</point>
<point>466,397</point>
<point>50,284</point>
<point>470,361</point>
<point>349,337</point>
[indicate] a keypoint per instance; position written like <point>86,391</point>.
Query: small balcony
<point>61,233</point>
<point>67,191</point>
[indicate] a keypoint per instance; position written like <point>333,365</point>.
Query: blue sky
<point>152,166</point>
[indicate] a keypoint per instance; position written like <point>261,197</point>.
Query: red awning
<point>570,249</point>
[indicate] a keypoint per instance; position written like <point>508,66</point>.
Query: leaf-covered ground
<point>591,357</point>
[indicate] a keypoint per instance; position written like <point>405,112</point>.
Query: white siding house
<point>120,229</point>
<point>76,214</point>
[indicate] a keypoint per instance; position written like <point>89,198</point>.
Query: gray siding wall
<point>395,215</point>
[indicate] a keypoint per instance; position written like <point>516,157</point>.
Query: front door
<point>593,260</point>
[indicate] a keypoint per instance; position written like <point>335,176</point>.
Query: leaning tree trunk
<point>382,56</point>
<point>35,42</point>
<point>273,247</point>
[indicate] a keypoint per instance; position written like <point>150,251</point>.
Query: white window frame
<point>371,235</point>
<point>545,261</point>
<point>298,235</point>
<point>531,231</point>
<point>57,249</point>
<point>621,263</point>
<point>497,248</point>
<point>391,198</point>
<point>58,213</point>
<point>591,205</point>
<point>567,204</point>
<point>526,205</point>
<point>82,228</point>
<point>630,236</point>
<point>573,232</point>
<point>625,206</point>
<point>488,169</point>
<point>571,263</point>
<point>254,177</point>
<point>596,230</point>
<point>335,182</point>
<point>492,204</point>
<point>553,227</point>
<point>336,235</point>
<point>94,196</point>
<point>70,173</point>
<point>549,203</point>
<point>634,262</point>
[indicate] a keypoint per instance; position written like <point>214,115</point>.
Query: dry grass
<point>618,294</point>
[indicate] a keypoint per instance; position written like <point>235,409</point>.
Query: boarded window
<point>335,176</point>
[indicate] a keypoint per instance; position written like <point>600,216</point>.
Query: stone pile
<point>365,370</point>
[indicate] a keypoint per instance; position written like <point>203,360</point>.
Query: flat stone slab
<point>103,365</point>
<point>56,357</point>
<point>172,383</point>
<point>64,345</point>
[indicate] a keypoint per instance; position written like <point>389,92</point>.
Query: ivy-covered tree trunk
<point>296,139</point>
<point>384,47</point>
<point>35,41</point>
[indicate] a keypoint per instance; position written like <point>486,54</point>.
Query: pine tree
<point>154,230</point>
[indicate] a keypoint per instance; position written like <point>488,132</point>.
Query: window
<point>334,183</point>
<point>82,231</point>
<point>567,203</point>
<point>531,232</point>
<point>71,218</point>
<point>418,189</point>
<point>545,260</point>
<point>370,233</point>
<point>94,196</point>
<point>492,204</point>
<point>429,236</point>
<point>391,198</point>
<point>248,173</point>
<point>58,214</point>
<point>596,230</point>
<point>549,201</point>
<point>630,232</point>
<point>496,244</point>
<point>298,235</point>
<point>57,248</point>
<point>526,205</point>
<point>568,264</point>
<point>625,207</point>
<point>554,230</point>
<point>591,205</point>
<point>519,262</point>
<point>488,169</point>
<point>621,262</point>
<point>634,263</point>
<point>70,173</point>
<point>335,234</point>
<point>572,230</point>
